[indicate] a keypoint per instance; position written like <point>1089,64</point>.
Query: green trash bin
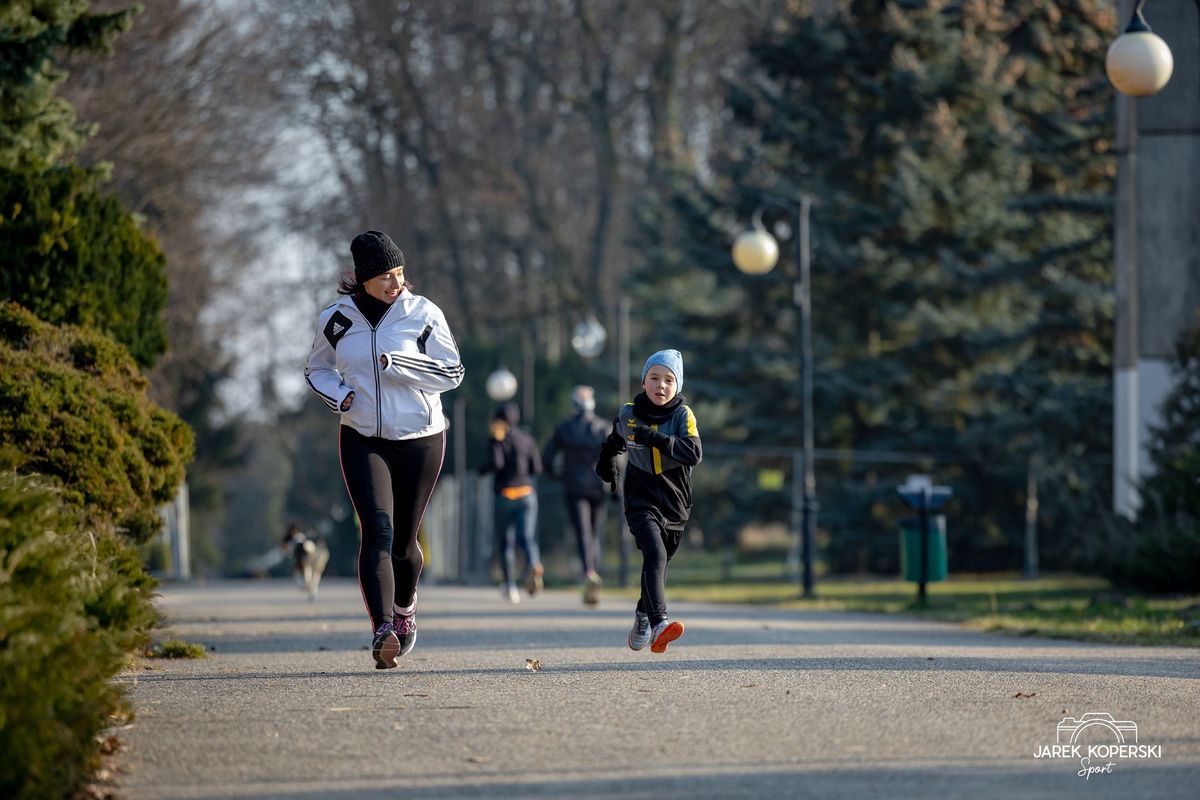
<point>910,549</point>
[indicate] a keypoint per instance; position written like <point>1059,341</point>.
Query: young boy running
<point>660,434</point>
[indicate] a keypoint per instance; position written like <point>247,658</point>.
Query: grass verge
<point>1059,606</point>
<point>175,648</point>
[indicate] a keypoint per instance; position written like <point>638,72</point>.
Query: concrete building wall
<point>1157,244</point>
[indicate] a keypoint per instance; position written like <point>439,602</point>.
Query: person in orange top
<point>514,458</point>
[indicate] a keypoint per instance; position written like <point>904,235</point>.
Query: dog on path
<point>309,557</point>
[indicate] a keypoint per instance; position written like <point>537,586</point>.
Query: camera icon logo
<point>1070,728</point>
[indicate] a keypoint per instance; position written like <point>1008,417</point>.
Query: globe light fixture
<point>1138,62</point>
<point>755,252</point>
<point>501,385</point>
<point>589,337</point>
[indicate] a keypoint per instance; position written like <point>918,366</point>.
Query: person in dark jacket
<point>578,441</point>
<point>514,458</point>
<point>660,434</point>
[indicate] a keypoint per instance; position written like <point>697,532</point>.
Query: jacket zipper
<point>375,364</point>
<point>378,396</point>
<point>428,407</point>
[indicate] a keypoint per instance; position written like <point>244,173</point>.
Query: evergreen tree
<point>38,129</point>
<point>75,405</point>
<point>959,279</point>
<point>1160,550</point>
<point>74,255</point>
<point>1175,441</point>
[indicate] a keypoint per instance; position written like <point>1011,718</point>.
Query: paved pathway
<point>749,704</point>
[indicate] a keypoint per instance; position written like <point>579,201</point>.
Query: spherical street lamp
<point>1139,63</point>
<point>501,385</point>
<point>589,337</point>
<point>755,252</point>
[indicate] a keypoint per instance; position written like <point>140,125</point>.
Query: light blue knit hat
<point>672,360</point>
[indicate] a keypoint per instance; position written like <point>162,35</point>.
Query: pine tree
<point>37,128</point>
<point>960,267</point>
<point>1160,551</point>
<point>75,255</point>
<point>1175,441</point>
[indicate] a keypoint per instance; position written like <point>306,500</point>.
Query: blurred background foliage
<point>540,161</point>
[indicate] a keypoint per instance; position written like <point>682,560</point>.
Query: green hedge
<point>75,404</point>
<point>73,604</point>
<point>74,255</point>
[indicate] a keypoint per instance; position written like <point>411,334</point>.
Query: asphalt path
<point>751,703</point>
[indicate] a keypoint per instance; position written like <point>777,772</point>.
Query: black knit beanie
<point>374,253</point>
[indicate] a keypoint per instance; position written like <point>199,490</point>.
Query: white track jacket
<point>396,370</point>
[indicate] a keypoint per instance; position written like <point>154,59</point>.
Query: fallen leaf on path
<point>533,665</point>
<point>109,745</point>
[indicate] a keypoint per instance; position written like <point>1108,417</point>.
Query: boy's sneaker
<point>385,647</point>
<point>534,583</point>
<point>591,589</point>
<point>665,632</point>
<point>511,594</point>
<point>639,634</point>
<point>406,632</point>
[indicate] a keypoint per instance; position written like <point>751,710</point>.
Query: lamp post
<point>756,252</point>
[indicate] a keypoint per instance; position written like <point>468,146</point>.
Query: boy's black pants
<point>658,544</point>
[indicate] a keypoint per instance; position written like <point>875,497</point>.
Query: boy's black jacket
<point>663,443</point>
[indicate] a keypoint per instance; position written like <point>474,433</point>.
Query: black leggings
<point>587,517</point>
<point>658,545</point>
<point>390,483</point>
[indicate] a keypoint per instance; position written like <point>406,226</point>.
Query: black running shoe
<point>385,647</point>
<point>406,631</point>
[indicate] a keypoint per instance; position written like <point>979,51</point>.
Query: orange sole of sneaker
<point>669,634</point>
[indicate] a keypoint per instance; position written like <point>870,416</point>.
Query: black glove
<point>650,437</point>
<point>606,470</point>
